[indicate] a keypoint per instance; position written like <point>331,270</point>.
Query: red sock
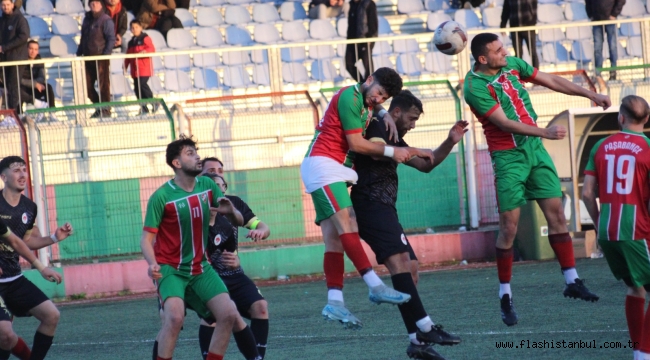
<point>352,246</point>
<point>21,350</point>
<point>162,358</point>
<point>634,308</point>
<point>212,356</point>
<point>504,264</point>
<point>645,339</point>
<point>334,267</point>
<point>562,245</point>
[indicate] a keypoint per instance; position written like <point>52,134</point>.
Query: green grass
<point>464,300</point>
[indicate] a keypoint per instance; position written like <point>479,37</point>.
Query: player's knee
<point>7,338</point>
<point>52,317</point>
<point>175,321</point>
<point>229,314</point>
<point>260,309</point>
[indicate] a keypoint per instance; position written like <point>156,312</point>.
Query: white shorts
<point>320,171</point>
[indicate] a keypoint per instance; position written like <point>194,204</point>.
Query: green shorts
<point>628,260</point>
<point>195,290</point>
<point>330,199</point>
<point>524,173</point>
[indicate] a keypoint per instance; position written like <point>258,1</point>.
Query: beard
<point>194,172</point>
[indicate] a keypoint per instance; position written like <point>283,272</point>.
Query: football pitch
<point>464,300</point>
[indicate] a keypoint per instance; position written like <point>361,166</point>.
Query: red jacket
<point>140,67</point>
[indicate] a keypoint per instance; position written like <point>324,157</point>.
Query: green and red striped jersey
<point>181,222</point>
<point>345,114</point>
<point>621,165</point>
<point>484,94</point>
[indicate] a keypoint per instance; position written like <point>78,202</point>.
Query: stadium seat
<point>438,63</point>
<point>236,15</point>
<point>575,11</point>
<point>435,19</point>
<point>236,35</point>
<point>265,13</point>
<point>63,46</point>
<point>236,77</point>
<point>209,37</point>
<point>467,18</point>
<point>436,5</point>
<point>261,75</point>
<point>291,10</point>
<point>176,80</point>
<point>59,93</point>
<point>156,86</point>
<point>210,60</point>
<point>382,47</point>
<point>64,25</point>
<point>634,47</point>
<point>491,16</point>
<point>578,33</point>
<point>157,64</point>
<point>554,52</point>
<point>211,3</point>
<point>158,40</point>
<point>382,61</point>
<point>117,66</point>
<point>409,65</point>
<point>342,27</point>
<point>554,2</point>
<point>406,46</point>
<point>582,50</point>
<point>322,30</point>
<point>180,61</point>
<point>294,31</point>
<point>240,2</point>
<point>38,7</point>
<point>633,8</point>
<point>69,7</point>
<point>206,79</point>
<point>129,17</point>
<point>233,58</point>
<point>120,86</point>
<point>260,56</point>
<point>321,52</point>
<point>384,27</point>
<point>550,14</point>
<point>38,28</point>
<point>208,16</point>
<point>293,54</point>
<point>180,39</point>
<point>266,34</point>
<point>186,17</point>
<point>294,73</point>
<point>631,29</point>
<point>409,6</point>
<point>323,70</point>
<point>546,35</point>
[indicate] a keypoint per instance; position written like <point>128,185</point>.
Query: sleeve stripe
<point>353,131</point>
<point>590,172</point>
<point>489,112</point>
<point>377,140</point>
<point>532,77</point>
<point>150,229</point>
<point>6,234</point>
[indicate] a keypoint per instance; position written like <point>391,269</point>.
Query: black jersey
<point>377,178</point>
<point>223,237</point>
<point>20,220</point>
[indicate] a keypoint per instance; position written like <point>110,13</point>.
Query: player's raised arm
<point>35,240</point>
<point>21,248</point>
<point>440,154</point>
<point>560,84</point>
<point>499,118</point>
<point>258,230</point>
<point>358,144</point>
<point>227,209</point>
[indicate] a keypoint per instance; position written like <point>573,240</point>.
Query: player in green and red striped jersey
<point>618,173</point>
<point>523,170</point>
<point>178,216</point>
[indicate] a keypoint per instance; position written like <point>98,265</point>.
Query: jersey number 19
<point>620,171</point>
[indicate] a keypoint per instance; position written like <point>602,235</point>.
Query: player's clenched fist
<point>555,132</point>
<point>154,271</point>
<point>602,101</point>
<point>51,275</point>
<point>401,154</point>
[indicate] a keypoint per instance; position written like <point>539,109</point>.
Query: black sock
<point>155,350</point>
<point>205,336</point>
<point>5,354</point>
<point>246,343</point>
<point>413,310</point>
<point>41,346</point>
<point>260,329</point>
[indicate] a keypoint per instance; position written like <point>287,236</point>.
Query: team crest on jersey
<point>204,197</point>
<point>404,240</point>
<point>26,217</point>
<point>217,240</point>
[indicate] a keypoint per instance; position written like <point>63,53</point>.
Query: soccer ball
<point>450,38</point>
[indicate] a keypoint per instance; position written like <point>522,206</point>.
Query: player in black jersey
<point>374,197</point>
<point>21,297</point>
<point>222,251</point>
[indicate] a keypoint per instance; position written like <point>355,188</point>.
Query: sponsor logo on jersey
<point>404,239</point>
<point>217,240</point>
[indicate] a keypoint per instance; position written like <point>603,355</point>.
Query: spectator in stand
<point>97,38</point>
<point>522,13</point>
<point>141,68</point>
<point>33,88</point>
<point>159,15</point>
<point>362,23</point>
<point>598,10</point>
<point>14,34</point>
<point>324,9</point>
<point>117,12</point>
<point>132,5</point>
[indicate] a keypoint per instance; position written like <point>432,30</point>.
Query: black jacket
<point>33,74</point>
<point>362,19</point>
<point>97,35</point>
<point>120,21</point>
<point>603,9</point>
<point>519,12</point>
<point>14,34</point>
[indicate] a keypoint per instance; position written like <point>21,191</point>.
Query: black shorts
<point>18,297</point>
<point>243,292</point>
<point>380,228</point>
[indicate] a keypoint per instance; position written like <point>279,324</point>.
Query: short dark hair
<point>405,100</point>
<point>389,79</point>
<point>215,176</point>
<point>6,162</point>
<point>32,41</point>
<point>175,148</point>
<point>212,158</point>
<point>634,108</point>
<point>135,21</point>
<point>480,43</point>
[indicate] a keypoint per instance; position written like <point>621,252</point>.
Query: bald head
<point>634,109</point>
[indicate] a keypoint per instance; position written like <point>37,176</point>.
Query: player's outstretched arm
<point>358,144</point>
<point>227,209</point>
<point>565,86</point>
<point>589,195</point>
<point>261,232</point>
<point>389,122</point>
<point>146,244</point>
<point>456,134</point>
<point>35,240</point>
<point>21,248</point>
<point>499,118</point>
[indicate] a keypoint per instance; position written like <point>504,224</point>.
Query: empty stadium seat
<point>38,28</point>
<point>180,39</point>
<point>437,62</point>
<point>436,5</point>
<point>206,79</point>
<point>382,47</point>
<point>157,64</point>
<point>177,80</point>
<point>294,73</point>
<point>260,56</point>
<point>209,37</point>
<point>406,46</point>
<point>261,75</point>
<point>63,46</point>
<point>240,2</point>
<point>212,3</point>
<point>492,16</point>
<point>575,11</point>
<point>634,47</point>
<point>578,32</point>
<point>186,17</point>
<point>294,31</point>
<point>266,34</point>
<point>291,10</point>
<point>237,15</point>
<point>409,65</point>
<point>158,40</point>
<point>117,65</point>
<point>410,6</point>
<point>64,25</point>
<point>582,50</point>
<point>38,7</point>
<point>382,61</point>
<point>633,8</point>
<point>233,58</point>
<point>631,29</point>
<point>342,27</point>
<point>156,86</point>
<point>435,19</point>
<point>265,13</point>
<point>69,7</point>
<point>179,61</point>
<point>546,35</point>
<point>550,14</point>
<point>236,35</point>
<point>236,77</point>
<point>321,52</point>
<point>554,52</point>
<point>208,16</point>
<point>120,86</point>
<point>323,70</point>
<point>322,30</point>
<point>293,54</point>
<point>467,18</point>
<point>210,60</point>
<point>384,27</point>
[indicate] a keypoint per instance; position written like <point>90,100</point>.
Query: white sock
<point>372,279</point>
<point>504,289</point>
<point>335,295</point>
<point>424,324</point>
<point>414,339</point>
<point>643,356</point>
<point>637,354</point>
<point>570,275</point>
